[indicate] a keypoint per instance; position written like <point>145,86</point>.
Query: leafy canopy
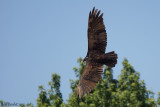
<point>126,91</point>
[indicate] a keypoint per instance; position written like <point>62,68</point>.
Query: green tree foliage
<point>158,99</point>
<point>126,91</point>
<point>51,97</point>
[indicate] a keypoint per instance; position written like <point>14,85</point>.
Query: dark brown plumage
<point>96,56</point>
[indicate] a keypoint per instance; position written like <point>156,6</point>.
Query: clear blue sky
<point>40,37</point>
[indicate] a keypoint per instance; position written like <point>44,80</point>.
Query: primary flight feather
<point>96,56</point>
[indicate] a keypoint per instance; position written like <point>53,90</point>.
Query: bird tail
<point>109,59</point>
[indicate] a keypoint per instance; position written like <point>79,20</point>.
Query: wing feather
<point>90,77</point>
<point>97,41</point>
<point>97,37</point>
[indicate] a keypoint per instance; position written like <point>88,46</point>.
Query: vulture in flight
<point>96,56</point>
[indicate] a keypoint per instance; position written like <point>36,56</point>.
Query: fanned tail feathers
<point>111,59</point>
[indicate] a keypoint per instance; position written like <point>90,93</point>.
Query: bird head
<point>85,59</point>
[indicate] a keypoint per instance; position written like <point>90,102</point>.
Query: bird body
<point>96,56</point>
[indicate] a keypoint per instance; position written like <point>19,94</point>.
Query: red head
<point>85,59</point>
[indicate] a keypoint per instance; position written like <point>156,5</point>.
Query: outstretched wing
<point>90,77</point>
<point>97,37</point>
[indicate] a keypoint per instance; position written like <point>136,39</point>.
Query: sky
<point>40,37</point>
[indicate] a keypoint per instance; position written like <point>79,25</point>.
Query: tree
<point>51,97</point>
<point>131,90</point>
<point>158,99</point>
<point>126,91</point>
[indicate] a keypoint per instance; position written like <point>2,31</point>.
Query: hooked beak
<point>84,60</point>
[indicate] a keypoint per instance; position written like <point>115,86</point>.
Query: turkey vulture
<point>96,56</point>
